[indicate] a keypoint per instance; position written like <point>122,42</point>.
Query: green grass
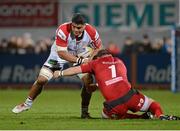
<point>60,109</point>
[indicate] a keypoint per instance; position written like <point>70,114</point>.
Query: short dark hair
<point>78,18</point>
<point>102,53</point>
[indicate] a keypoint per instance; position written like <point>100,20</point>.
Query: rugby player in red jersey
<point>71,43</point>
<point>111,76</point>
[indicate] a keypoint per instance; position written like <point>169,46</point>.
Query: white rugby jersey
<point>65,40</point>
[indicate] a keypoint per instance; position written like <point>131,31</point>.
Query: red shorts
<point>136,103</point>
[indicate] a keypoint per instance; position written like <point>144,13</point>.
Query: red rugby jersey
<point>111,76</point>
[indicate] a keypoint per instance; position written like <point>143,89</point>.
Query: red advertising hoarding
<point>28,14</point>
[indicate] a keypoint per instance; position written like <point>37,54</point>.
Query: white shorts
<point>54,61</point>
<point>147,103</point>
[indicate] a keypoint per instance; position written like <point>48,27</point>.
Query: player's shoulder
<point>90,28</point>
<point>65,27</point>
<point>91,31</point>
<point>64,30</point>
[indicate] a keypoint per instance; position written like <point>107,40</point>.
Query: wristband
<point>61,73</point>
<point>79,60</point>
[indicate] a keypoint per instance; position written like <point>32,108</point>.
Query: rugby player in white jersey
<point>73,39</point>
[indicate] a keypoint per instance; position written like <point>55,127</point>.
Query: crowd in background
<point>143,46</point>
<point>25,44</point>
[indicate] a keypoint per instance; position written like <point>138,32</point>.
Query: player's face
<point>77,29</point>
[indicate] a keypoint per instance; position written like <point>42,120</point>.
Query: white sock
<point>28,101</point>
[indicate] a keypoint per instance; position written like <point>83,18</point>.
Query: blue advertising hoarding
<point>24,69</point>
<point>148,70</point>
<point>153,69</point>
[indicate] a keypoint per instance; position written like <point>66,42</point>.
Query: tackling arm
<point>72,71</point>
<point>68,72</point>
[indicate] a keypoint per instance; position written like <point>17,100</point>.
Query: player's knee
<point>41,81</point>
<point>45,74</point>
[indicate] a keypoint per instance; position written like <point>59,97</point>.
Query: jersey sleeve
<point>61,39</point>
<point>96,40</point>
<point>98,43</point>
<point>87,67</point>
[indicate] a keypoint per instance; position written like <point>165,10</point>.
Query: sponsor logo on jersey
<point>112,81</point>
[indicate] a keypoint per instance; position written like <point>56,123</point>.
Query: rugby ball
<point>86,52</point>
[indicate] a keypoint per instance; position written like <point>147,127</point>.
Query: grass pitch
<point>60,109</point>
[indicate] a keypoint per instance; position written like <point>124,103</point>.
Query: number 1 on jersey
<point>113,70</point>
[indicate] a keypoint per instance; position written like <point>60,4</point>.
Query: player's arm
<point>83,68</point>
<point>68,72</point>
<point>76,70</point>
<point>63,54</point>
<point>99,46</point>
<point>71,58</point>
<point>96,40</point>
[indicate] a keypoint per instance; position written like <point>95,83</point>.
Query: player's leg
<point>156,110</point>
<point>87,79</point>
<point>137,102</point>
<point>37,87</point>
<point>142,103</point>
<point>44,75</point>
